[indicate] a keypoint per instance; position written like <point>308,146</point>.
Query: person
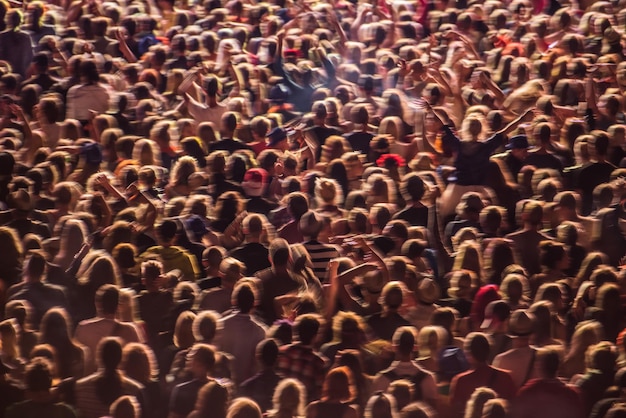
<point>245,298</point>
<point>41,401</point>
<point>16,46</point>
<point>482,374</point>
<point>547,396</point>
<point>72,358</point>
<point>404,367</point>
<point>527,239</point>
<point>96,392</point>
<point>253,254</point>
<point>598,171</point>
<point>336,395</point>
<point>40,295</point>
<point>184,395</point>
<point>263,386</point>
<point>172,256</point>
<point>212,401</point>
<point>385,323</point>
<point>154,303</point>
<point>91,331</point>
<point>277,280</point>
<point>311,226</point>
<point>289,400</point>
<point>301,361</point>
<point>220,299</point>
<point>600,373</point>
<point>88,96</point>
<point>521,360</point>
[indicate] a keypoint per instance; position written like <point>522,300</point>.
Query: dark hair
<point>412,187</point>
<point>55,331</point>
<point>36,265</point>
<point>550,362</point>
<point>267,352</point>
<point>108,298</point>
<point>404,340</point>
<point>307,327</point>
<point>89,70</point>
<point>244,297</point>
<point>109,383</point>
<point>38,375</point>
<point>477,344</point>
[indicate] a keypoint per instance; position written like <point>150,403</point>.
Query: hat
<point>195,227</point>
<point>460,284</point>
<point>521,323</point>
<point>310,224</point>
<point>254,182</point>
<point>518,142</point>
<point>497,310</point>
<point>92,153</point>
<point>452,361</point>
<point>275,136</point>
<point>422,162</point>
<point>279,93</point>
<point>428,291</point>
<point>21,200</point>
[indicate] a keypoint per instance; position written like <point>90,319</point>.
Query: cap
<point>92,153</point>
<point>497,310</point>
<point>428,291</point>
<point>275,136</point>
<point>254,182</point>
<point>452,361</point>
<point>521,323</point>
<point>279,93</point>
<point>196,227</point>
<point>518,142</point>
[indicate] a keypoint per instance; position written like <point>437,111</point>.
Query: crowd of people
<point>313,208</point>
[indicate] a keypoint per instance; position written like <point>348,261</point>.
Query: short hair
<point>36,265</point>
<point>404,339</point>
<point>280,252</point>
<point>205,326</point>
<point>307,327</point>
<point>267,352</point>
<point>38,375</point>
<point>214,255</point>
<point>253,224</point>
<point>477,345</point>
<point>412,187</point>
<point>151,270</point>
<point>244,297</point>
<point>550,362</point>
<point>108,298</point>
<point>204,354</point>
<point>167,230</point>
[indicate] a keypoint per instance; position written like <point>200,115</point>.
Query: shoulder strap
<point>531,365</point>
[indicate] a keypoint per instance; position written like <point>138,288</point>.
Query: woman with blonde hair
<point>73,236</point>
<point>431,339</point>
<point>329,197</point>
<point>11,250</point>
<point>469,257</point>
<point>183,168</point>
<point>480,397</point>
<point>591,261</point>
<point>146,152</point>
<point>10,354</point>
<point>289,400</point>
<point>334,147</point>
<point>587,333</point>
<point>176,353</point>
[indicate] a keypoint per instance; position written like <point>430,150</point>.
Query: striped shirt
<point>320,255</point>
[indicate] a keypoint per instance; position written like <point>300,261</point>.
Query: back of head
<point>107,299</point>
<point>477,345</point>
<point>549,361</point>
<point>280,252</point>
<point>267,352</point>
<point>110,353</point>
<point>307,327</point>
<point>244,408</point>
<point>404,340</point>
<point>244,297</point>
<point>38,375</point>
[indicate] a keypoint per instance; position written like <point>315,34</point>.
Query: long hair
<point>139,363</point>
<point>55,330</point>
<point>109,382</point>
<point>289,396</point>
<point>474,407</point>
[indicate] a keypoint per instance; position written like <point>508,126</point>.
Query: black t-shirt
<point>254,255</point>
<point>228,144</point>
<point>589,177</point>
<point>414,215</point>
<point>360,141</point>
<point>544,161</point>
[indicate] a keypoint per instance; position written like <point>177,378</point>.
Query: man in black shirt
<point>596,172</point>
<point>415,212</point>
<point>360,139</point>
<point>542,158</point>
<point>229,143</point>
<point>253,254</point>
<point>319,132</point>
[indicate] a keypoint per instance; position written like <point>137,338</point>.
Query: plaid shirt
<point>303,363</point>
